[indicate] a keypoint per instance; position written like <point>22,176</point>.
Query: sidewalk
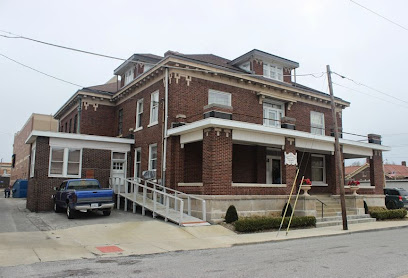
<point>147,237</point>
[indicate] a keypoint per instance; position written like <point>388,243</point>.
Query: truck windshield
<point>83,185</point>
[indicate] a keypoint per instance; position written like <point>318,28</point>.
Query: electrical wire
<point>389,20</point>
<point>46,74</point>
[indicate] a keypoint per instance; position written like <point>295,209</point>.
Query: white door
<point>273,170</point>
<point>118,170</point>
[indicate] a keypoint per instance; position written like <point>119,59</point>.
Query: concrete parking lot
<point>14,217</point>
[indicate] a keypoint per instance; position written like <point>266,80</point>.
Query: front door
<point>273,170</point>
<point>118,170</point>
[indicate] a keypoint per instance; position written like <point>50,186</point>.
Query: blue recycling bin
<point>20,188</point>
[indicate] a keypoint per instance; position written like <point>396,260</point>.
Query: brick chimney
<point>404,163</point>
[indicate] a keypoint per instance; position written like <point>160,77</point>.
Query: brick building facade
<point>217,127</point>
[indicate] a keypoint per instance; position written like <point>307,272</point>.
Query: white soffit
<point>81,144</point>
<point>314,145</point>
<point>261,138</point>
<point>191,137</point>
<point>357,150</point>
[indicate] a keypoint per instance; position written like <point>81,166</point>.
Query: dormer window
<point>147,67</point>
<point>245,66</point>
<point>129,76</point>
<point>273,71</point>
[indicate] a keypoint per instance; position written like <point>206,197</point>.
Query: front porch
<point>254,167</point>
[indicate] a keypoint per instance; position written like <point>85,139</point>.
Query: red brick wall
<point>287,75</point>
<point>257,67</point>
<point>193,162</point>
<point>100,122</point>
<point>377,172</point>
<point>301,112</point>
<point>66,119</point>
<point>40,187</point>
<point>244,164</point>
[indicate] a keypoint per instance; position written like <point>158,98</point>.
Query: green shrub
<point>288,212</point>
<point>388,214</point>
<point>253,224</point>
<point>231,215</point>
<point>372,209</point>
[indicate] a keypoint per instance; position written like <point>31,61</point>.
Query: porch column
<point>175,167</point>
<point>217,161</point>
<point>377,172</point>
<point>289,171</point>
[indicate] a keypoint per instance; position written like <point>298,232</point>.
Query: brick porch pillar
<point>175,165</point>
<point>377,172</point>
<point>217,161</point>
<point>289,171</point>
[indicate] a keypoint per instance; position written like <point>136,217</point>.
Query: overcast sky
<point>353,41</point>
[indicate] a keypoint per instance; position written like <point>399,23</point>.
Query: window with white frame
<point>273,113</point>
<point>146,67</point>
<point>139,114</point>
<point>217,97</point>
<point>153,157</point>
<point>129,76</point>
<point>317,123</point>
<point>65,162</point>
<point>273,71</point>
<point>32,163</point>
<point>154,108</point>
<point>318,169</point>
<point>138,163</point>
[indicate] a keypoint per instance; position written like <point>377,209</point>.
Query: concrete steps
<point>337,220</point>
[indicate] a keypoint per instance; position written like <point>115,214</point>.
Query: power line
<point>389,20</point>
<point>15,36</point>
<point>46,74</point>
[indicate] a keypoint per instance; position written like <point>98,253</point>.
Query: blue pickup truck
<point>82,195</point>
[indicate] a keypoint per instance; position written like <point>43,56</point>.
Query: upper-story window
<point>120,122</point>
<point>153,157</point>
<point>273,71</point>
<point>245,66</point>
<point>146,67</point>
<point>217,97</point>
<point>317,123</point>
<point>75,123</point>
<point>154,108</point>
<point>273,113</point>
<point>129,76</point>
<point>139,114</point>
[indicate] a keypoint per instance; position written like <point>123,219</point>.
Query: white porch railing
<point>158,194</point>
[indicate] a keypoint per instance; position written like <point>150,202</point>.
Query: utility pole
<point>339,164</point>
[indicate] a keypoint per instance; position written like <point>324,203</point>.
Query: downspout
<point>78,131</point>
<point>166,115</point>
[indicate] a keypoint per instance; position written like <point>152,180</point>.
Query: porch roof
<point>257,133</point>
<point>74,136</point>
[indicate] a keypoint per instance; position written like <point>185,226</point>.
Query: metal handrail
<point>322,206</point>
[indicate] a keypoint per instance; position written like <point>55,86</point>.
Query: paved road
<point>369,254</point>
<point>14,217</point>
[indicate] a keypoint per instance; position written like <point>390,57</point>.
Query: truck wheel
<point>70,212</point>
<point>106,212</point>
<point>57,209</point>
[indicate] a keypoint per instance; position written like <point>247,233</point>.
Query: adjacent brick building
<point>226,129</point>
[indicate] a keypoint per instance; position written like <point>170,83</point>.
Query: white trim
<point>129,76</point>
<point>139,114</point>
<point>220,93</point>
<point>319,183</point>
<point>124,160</point>
<point>152,105</point>
<point>140,163</point>
<point>150,156</point>
<point>73,136</point>
<point>260,129</point>
<point>65,163</point>
<point>95,145</point>
<point>190,184</point>
<point>191,137</point>
<point>248,136</point>
<point>32,159</point>
<point>258,185</point>
<point>315,128</point>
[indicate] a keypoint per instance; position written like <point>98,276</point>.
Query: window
<point>147,67</point>
<point>120,122</point>
<point>317,123</point>
<point>138,163</point>
<point>273,71</point>
<point>245,66</point>
<point>66,127</point>
<point>153,157</point>
<point>70,125</point>
<point>139,114</point>
<point>129,76</point>
<point>65,162</point>
<point>32,160</point>
<point>273,113</point>
<point>154,108</point>
<point>75,123</point>
<point>217,97</point>
<point>318,169</point>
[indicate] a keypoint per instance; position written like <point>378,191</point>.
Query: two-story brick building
<point>233,131</point>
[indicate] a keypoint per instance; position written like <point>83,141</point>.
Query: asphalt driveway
<point>14,217</point>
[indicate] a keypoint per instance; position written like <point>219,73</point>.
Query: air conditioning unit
<point>149,175</point>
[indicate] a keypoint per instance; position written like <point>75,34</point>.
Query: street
<point>369,254</point>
